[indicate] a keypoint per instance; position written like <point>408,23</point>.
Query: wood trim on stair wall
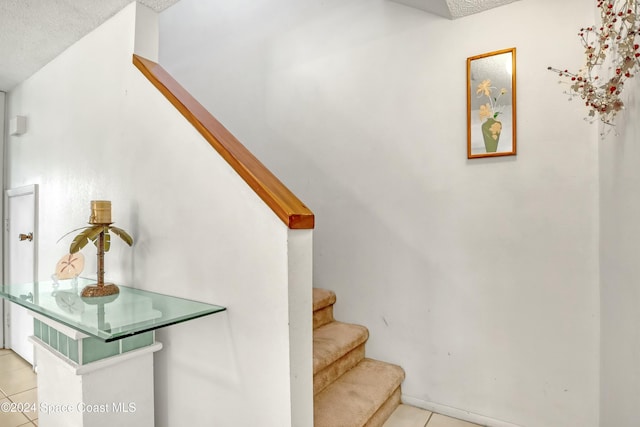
<point>270,189</point>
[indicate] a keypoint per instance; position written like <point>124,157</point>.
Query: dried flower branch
<point>616,40</point>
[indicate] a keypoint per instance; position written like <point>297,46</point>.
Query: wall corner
<point>300,265</point>
<point>146,33</point>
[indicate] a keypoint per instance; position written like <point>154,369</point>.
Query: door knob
<point>24,237</point>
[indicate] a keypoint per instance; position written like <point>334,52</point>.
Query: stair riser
<point>378,419</point>
<point>334,371</point>
<point>365,395</point>
<point>323,316</point>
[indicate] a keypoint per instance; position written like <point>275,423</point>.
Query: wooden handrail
<point>273,192</point>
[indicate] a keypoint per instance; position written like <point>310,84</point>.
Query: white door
<point>20,263</point>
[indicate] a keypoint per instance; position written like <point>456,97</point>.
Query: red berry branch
<point>613,43</point>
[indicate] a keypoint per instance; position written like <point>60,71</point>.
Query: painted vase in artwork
<point>491,130</point>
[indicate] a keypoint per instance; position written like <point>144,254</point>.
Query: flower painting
<point>491,104</point>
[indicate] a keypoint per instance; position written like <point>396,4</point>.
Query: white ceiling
<point>33,32</point>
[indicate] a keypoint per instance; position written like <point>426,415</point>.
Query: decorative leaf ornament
<point>122,234</point>
<point>91,233</point>
<point>614,43</point>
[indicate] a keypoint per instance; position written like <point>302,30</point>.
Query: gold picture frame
<point>491,104</point>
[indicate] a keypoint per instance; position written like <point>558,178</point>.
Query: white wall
<point>99,130</point>
<point>620,266</point>
<point>479,277</point>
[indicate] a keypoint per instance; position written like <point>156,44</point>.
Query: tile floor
<point>409,416</point>
<point>17,391</point>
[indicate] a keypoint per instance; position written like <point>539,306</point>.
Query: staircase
<point>349,390</point>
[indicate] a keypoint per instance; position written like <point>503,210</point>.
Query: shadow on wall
<point>209,368</point>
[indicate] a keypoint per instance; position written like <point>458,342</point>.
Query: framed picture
<point>491,104</point>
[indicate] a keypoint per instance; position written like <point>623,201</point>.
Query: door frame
<point>8,194</point>
<point>2,144</point>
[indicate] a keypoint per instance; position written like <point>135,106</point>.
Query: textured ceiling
<point>453,9</point>
<point>33,32</point>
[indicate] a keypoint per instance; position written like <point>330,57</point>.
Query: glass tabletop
<point>132,311</point>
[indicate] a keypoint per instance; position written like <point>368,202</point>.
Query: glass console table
<point>110,318</point>
<point>94,356</point>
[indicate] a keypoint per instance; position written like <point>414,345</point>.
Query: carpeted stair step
<point>337,347</point>
<point>323,301</point>
<point>364,396</point>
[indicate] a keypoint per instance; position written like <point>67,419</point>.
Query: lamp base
<point>92,291</point>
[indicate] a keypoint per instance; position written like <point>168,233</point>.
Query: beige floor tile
<point>438,420</point>
<point>5,351</point>
<point>408,416</point>
<point>11,419</point>
<point>28,400</point>
<point>11,362</point>
<point>17,381</point>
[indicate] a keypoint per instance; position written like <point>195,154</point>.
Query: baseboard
<point>456,413</point>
